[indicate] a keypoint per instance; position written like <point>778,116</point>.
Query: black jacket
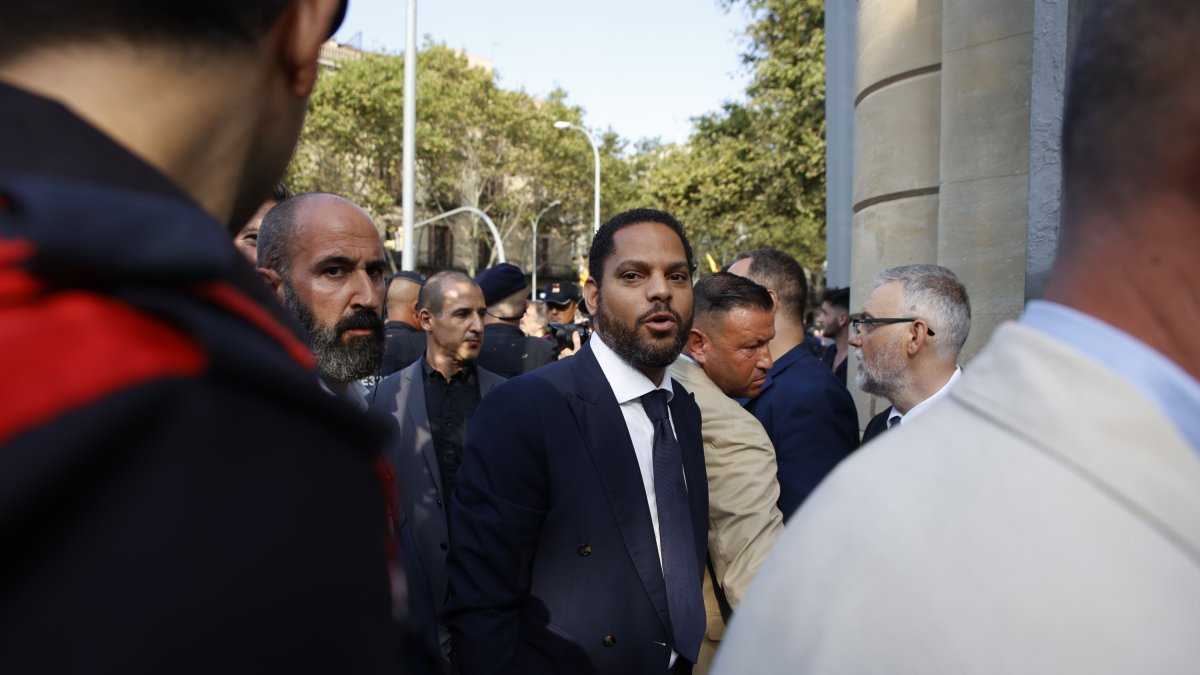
<point>508,352</point>
<point>177,494</point>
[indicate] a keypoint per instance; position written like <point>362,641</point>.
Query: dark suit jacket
<point>877,425</point>
<point>509,352</point>
<point>810,418</point>
<point>400,397</point>
<point>553,564</point>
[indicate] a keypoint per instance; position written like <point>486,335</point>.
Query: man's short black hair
<point>222,24</point>
<point>1132,113</point>
<point>603,246</point>
<point>838,298</point>
<point>432,296</point>
<point>781,273</point>
<point>281,192</point>
<point>715,295</point>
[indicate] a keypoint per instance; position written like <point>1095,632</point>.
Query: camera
<point>561,334</point>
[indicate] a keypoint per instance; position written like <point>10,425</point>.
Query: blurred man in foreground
<point>176,491</point>
<point>727,357</point>
<point>1044,517</point>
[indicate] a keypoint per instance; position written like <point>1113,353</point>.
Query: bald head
<point>290,221</point>
<point>402,294</point>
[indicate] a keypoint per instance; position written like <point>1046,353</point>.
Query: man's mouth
<point>660,321</point>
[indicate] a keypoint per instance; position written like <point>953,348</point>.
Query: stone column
<point>986,66</point>
<point>896,146</point>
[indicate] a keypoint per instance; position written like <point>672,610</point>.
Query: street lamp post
<point>595,155</point>
<point>471,209</point>
<point>533,283</point>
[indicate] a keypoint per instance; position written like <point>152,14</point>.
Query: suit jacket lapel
<point>607,440</point>
<point>417,418</point>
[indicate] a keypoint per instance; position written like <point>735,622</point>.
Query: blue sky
<point>641,67</point>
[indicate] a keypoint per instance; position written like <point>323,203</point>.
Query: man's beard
<point>884,375</point>
<point>339,361</point>
<point>624,340</point>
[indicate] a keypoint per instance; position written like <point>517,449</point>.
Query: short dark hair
<point>602,243</point>
<point>838,298</point>
<point>1132,112</point>
<point>781,273</point>
<point>432,296</point>
<point>281,192</point>
<point>29,24</point>
<point>717,294</point>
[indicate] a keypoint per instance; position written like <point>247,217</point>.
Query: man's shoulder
<point>802,374</point>
<point>71,350</point>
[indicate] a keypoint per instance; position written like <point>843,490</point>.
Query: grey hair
<point>935,294</point>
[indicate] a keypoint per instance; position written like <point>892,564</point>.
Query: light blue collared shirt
<point>1173,390</point>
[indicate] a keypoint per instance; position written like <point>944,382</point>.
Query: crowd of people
<point>232,442</point>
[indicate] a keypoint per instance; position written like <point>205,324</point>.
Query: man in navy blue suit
<point>806,411</point>
<point>579,527</point>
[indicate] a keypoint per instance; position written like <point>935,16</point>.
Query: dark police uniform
<point>176,491</point>
<point>508,352</point>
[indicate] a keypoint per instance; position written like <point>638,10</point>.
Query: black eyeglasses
<point>858,322</point>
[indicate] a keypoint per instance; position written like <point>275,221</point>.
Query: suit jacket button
<point>439,502</point>
<point>585,551</point>
<point>444,546</point>
<point>609,641</point>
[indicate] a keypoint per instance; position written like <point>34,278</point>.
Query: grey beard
<point>885,382</point>
<point>338,362</point>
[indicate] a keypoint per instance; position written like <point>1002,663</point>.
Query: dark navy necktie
<point>894,422</point>
<point>681,570</point>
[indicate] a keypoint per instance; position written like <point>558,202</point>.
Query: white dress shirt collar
<point>924,405</point>
<point>628,383</point>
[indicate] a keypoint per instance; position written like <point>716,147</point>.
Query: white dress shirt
<point>924,405</point>
<point>628,385</point>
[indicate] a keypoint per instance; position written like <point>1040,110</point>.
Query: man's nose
<point>658,288</point>
<point>368,291</point>
<point>765,362</point>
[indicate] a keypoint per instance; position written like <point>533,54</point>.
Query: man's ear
<point>843,319</point>
<point>918,336</point>
<point>273,280</point>
<point>303,28</point>
<point>697,345</point>
<point>425,319</point>
<point>591,295</point>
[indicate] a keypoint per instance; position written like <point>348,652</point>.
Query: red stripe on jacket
<point>63,351</point>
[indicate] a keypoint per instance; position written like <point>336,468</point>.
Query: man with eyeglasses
<point>908,337</point>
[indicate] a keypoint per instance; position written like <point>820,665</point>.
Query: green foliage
<point>753,174</point>
<point>477,145</point>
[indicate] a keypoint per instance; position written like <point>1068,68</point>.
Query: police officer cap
<point>501,281</point>
<point>560,293</point>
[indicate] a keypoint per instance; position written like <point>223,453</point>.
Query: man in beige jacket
<point>1044,517</point>
<point>727,357</point>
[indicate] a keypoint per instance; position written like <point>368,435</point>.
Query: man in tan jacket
<point>727,357</point>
